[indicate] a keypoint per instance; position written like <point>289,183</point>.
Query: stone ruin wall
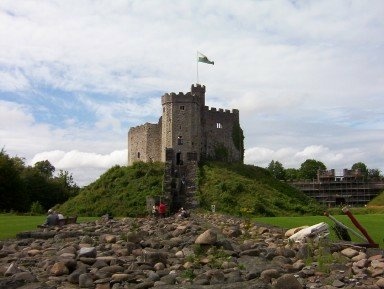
<point>217,130</point>
<point>144,140</point>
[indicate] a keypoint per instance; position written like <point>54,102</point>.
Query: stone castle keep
<point>188,131</point>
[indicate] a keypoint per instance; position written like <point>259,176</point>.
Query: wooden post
<point>360,227</point>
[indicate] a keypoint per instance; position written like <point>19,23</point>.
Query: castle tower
<point>199,91</point>
<point>188,131</point>
<point>181,124</point>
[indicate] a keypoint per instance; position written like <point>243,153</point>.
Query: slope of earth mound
<point>245,190</point>
<point>236,189</point>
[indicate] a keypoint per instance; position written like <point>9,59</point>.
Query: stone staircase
<point>180,185</point>
<point>190,187</point>
<point>168,187</point>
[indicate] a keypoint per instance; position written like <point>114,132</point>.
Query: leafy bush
<point>37,209</point>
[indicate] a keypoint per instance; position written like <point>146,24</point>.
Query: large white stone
<point>349,252</point>
<point>207,238</point>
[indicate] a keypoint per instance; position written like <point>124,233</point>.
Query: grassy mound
<point>236,189</point>
<point>247,190</point>
<point>378,201</point>
<point>121,191</point>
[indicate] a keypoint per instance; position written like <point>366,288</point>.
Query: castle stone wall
<point>167,129</point>
<point>144,143</point>
<point>217,132</point>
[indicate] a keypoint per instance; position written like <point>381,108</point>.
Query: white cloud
<point>84,166</point>
<point>75,159</point>
<point>319,152</point>
<point>306,76</point>
<point>13,81</point>
<point>13,114</point>
<point>293,157</point>
<point>18,130</point>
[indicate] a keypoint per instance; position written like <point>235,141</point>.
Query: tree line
<point>308,171</point>
<point>32,188</point>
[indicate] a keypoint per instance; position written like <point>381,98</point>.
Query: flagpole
<point>197,66</point>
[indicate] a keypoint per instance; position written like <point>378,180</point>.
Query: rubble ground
<point>205,250</point>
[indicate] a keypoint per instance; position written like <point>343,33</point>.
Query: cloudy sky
<point>307,77</point>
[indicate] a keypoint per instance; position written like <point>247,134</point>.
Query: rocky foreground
<point>202,251</point>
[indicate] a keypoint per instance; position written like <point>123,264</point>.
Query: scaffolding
<point>349,188</point>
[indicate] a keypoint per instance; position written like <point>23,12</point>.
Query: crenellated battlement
<point>221,110</point>
<point>144,126</point>
<point>198,89</point>
<point>180,94</point>
<point>179,98</point>
<point>196,95</point>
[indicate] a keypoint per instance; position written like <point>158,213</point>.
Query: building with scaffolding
<point>350,187</point>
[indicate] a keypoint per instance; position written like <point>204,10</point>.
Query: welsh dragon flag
<point>202,58</point>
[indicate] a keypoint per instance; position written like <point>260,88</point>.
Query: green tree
<point>362,167</point>
<point>37,186</point>
<point>276,169</point>
<point>45,168</point>
<point>49,191</point>
<point>374,175</point>
<point>309,169</point>
<point>19,163</point>
<point>12,192</point>
<point>21,187</point>
<point>292,174</point>
<point>65,179</point>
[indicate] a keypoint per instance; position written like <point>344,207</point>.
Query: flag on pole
<point>202,58</point>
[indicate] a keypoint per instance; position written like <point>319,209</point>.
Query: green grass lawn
<point>10,224</point>
<point>373,224</point>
